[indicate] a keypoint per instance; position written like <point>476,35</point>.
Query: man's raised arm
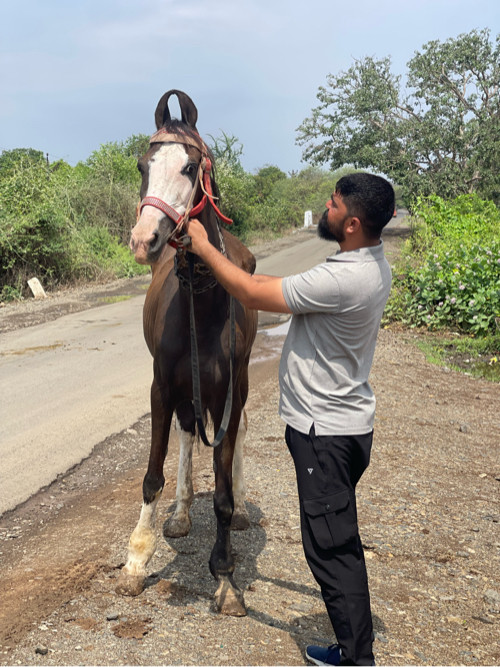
<point>258,292</point>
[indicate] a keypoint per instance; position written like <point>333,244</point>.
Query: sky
<point>75,74</point>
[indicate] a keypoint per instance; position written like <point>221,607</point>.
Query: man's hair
<point>369,198</point>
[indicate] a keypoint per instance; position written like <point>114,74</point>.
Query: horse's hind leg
<point>228,597</point>
<point>179,524</point>
<point>240,520</point>
<point>142,543</point>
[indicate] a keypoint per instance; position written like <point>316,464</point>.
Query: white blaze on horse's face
<point>167,180</point>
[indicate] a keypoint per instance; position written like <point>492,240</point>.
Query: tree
<point>442,136</point>
<point>12,159</point>
<point>265,180</point>
<point>113,163</point>
<point>136,145</point>
<point>228,149</point>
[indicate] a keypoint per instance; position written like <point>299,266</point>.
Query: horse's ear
<point>189,113</point>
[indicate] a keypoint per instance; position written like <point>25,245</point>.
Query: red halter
<point>205,167</point>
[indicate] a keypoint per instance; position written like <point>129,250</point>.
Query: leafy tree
<point>113,163</point>
<point>136,145</point>
<point>265,180</point>
<point>12,159</point>
<point>228,149</point>
<point>442,136</point>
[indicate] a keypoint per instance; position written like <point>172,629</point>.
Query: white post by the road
<point>308,219</point>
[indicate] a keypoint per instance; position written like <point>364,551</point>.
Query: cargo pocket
<point>332,519</point>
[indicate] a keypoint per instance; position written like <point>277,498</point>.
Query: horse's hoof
<point>229,600</point>
<point>240,521</point>
<point>129,584</point>
<point>176,527</point>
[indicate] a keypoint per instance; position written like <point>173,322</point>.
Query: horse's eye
<point>190,169</point>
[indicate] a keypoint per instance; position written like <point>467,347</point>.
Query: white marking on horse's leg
<point>240,515</point>
<point>142,543</point>
<point>141,547</point>
<point>180,523</point>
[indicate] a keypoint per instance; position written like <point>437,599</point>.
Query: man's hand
<point>198,235</point>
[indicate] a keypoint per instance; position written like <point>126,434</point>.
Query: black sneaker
<point>319,655</point>
<point>325,656</point>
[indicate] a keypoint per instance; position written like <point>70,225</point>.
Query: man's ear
<point>353,225</point>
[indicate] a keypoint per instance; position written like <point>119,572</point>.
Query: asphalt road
<point>68,384</point>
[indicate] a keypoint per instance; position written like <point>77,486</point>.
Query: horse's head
<point>170,184</point>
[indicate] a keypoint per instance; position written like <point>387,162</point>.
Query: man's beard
<point>324,231</point>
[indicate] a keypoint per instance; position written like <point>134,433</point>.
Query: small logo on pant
<point>309,470</point>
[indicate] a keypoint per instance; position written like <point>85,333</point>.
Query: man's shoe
<point>320,655</point>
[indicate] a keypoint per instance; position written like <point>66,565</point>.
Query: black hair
<point>369,198</point>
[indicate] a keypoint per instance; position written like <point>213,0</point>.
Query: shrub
<point>64,224</point>
<point>449,275</point>
<point>97,254</point>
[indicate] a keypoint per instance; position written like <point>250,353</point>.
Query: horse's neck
<point>211,224</point>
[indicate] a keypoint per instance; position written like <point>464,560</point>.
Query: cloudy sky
<point>78,73</point>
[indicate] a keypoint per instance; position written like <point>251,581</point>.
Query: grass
<point>115,299</point>
<point>478,357</point>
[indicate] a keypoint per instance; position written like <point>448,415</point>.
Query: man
<point>326,400</point>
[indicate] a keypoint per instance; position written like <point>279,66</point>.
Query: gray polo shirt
<point>328,352</point>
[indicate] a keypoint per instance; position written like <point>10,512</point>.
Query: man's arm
<point>258,292</point>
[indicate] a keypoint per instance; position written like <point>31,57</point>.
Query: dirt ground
<point>429,520</point>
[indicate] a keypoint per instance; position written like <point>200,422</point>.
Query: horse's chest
<point>174,359</point>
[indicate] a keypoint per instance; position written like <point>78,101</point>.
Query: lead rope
<point>195,366</point>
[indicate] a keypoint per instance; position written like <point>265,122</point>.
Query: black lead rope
<point>195,366</point>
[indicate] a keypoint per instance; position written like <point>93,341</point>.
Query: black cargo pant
<point>328,469</point>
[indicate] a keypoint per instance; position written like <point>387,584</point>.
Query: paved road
<point>68,384</point>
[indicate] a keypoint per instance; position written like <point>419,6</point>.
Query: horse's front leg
<point>179,524</point>
<point>142,543</point>
<point>240,520</point>
<point>228,597</point>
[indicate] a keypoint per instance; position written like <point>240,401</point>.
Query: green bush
<point>464,220</point>
<point>97,254</point>
<point>237,195</point>
<point>64,224</point>
<point>449,274</point>
<point>32,245</point>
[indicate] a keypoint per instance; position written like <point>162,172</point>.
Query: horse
<point>200,340</point>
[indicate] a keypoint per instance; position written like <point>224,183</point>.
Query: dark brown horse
<point>177,182</point>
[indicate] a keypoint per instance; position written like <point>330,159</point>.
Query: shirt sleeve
<point>316,290</point>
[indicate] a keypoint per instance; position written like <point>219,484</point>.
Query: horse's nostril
<point>154,240</point>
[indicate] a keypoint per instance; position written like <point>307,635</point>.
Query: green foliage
<point>442,137</point>
<point>136,145</point>
<point>228,150</point>
<point>236,188</point>
<point>468,219</point>
<point>449,275</point>
<point>64,224</point>
<point>10,160</point>
<point>265,180</point>
<point>112,164</point>
<point>97,254</point>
